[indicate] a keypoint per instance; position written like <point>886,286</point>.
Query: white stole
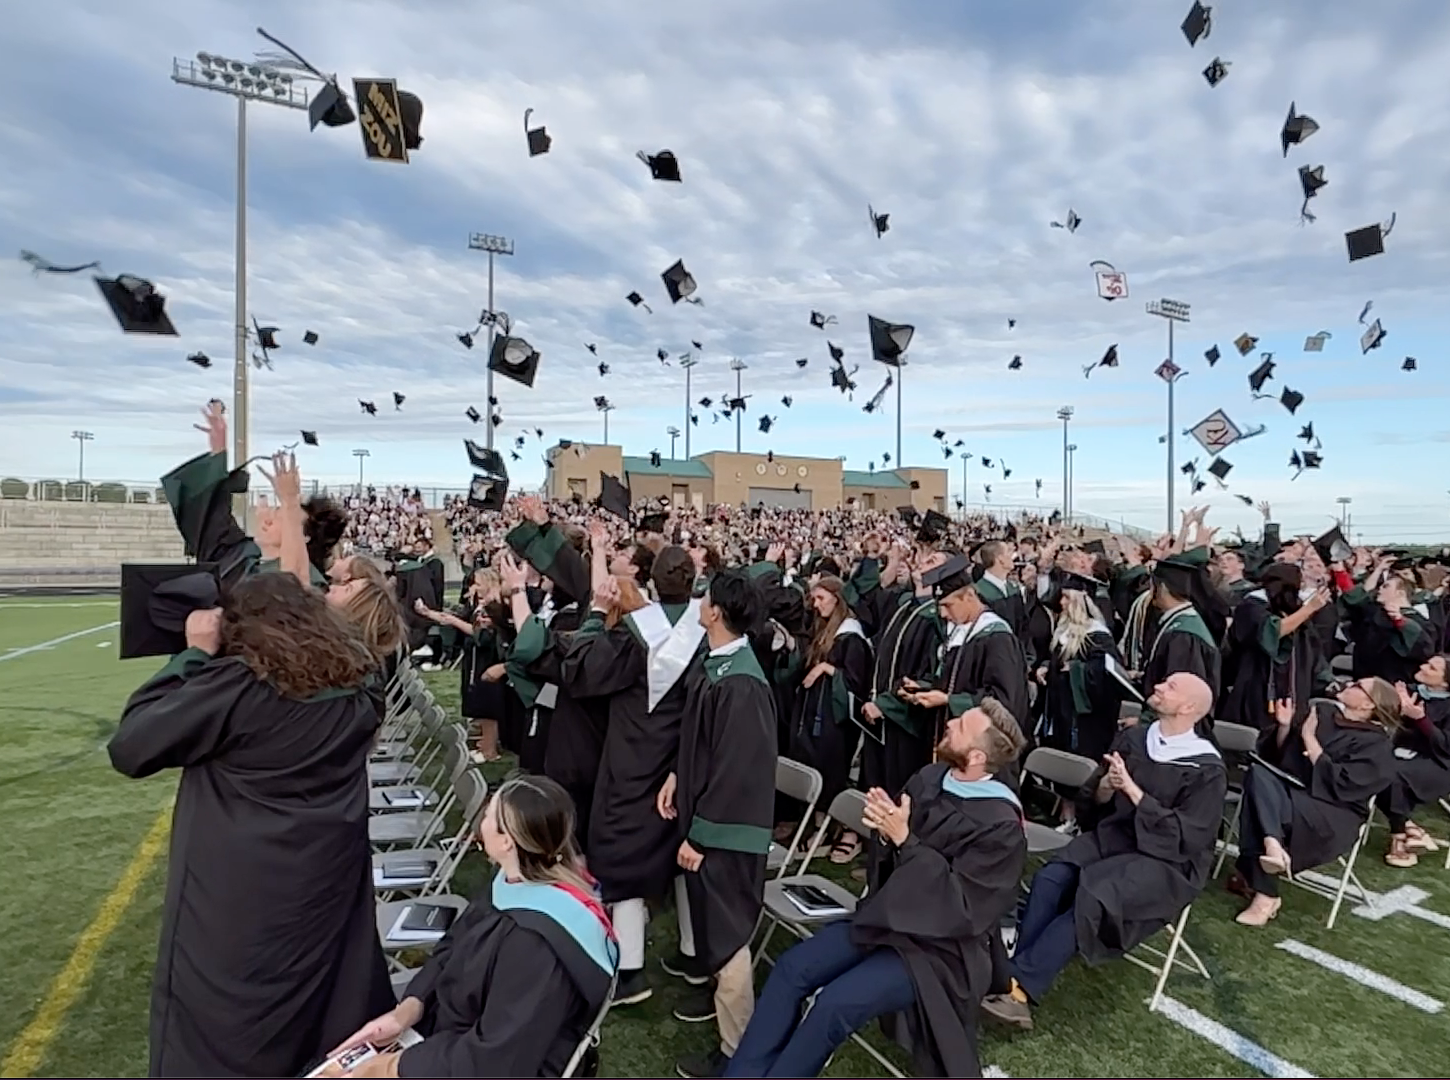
<point>671,648</point>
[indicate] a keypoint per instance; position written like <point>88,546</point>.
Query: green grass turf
<point>72,826</point>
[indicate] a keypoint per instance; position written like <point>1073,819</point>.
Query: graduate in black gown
<point>1391,636</point>
<point>1081,700</point>
<point>419,575</point>
<point>1272,652</point>
<point>920,941</point>
<point>1422,762</point>
<point>1150,817</point>
<point>1306,806</point>
<point>1191,620</point>
<point>269,950</point>
<point>522,972</point>
<point>997,589</point>
<point>722,795</point>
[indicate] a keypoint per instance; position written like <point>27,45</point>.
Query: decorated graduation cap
<point>679,282</point>
<point>1333,547</point>
<point>538,138</point>
<point>1245,343</point>
<point>1198,24</point>
<point>138,307</point>
<point>1296,129</point>
<point>662,166</point>
<point>1372,338</point>
<point>880,222</point>
<point>1315,342</point>
<point>514,358</point>
<point>1217,70</point>
<point>155,602</point>
<point>1370,240</point>
<point>889,341</point>
<point>614,496</point>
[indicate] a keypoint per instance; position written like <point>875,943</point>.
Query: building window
<point>578,486</point>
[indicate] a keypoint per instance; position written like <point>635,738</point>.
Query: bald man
<point>1143,856</point>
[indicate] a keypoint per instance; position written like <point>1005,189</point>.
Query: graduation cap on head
<point>1212,355</point>
<point>1311,179</point>
<point>1260,375</point>
<point>368,407</point>
<point>155,602</point>
<point>138,307</point>
<point>1198,24</point>
<point>1070,223</point>
<point>473,414</point>
<point>398,399</point>
<point>1219,469</point>
<point>310,438</point>
<point>1015,364</point>
<point>1217,70</point>
<point>539,140</point>
<point>1315,342</point>
<point>1370,240</point>
<point>679,283</point>
<point>820,320</point>
<point>638,301</point>
<point>1410,364</point>
<point>662,166</point>
<point>514,358</point>
<point>1333,547</point>
<point>954,574</point>
<point>1372,337</point>
<point>880,222</point>
<point>933,527</point>
<point>1291,400</point>
<point>1245,343</point>
<point>614,496</point>
<point>200,359</point>
<point>889,341</point>
<point>1296,129</point>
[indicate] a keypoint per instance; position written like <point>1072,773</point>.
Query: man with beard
<point>1273,651</point>
<point>920,941</point>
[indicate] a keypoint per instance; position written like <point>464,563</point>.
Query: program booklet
<point>353,1057</point>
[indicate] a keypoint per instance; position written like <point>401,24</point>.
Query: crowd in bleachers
<point>386,520</point>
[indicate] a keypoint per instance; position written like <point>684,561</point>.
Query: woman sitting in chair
<point>1307,794</point>
<point>1422,765</point>
<point>513,987</point>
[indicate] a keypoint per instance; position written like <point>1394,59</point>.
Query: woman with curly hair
<point>269,952</point>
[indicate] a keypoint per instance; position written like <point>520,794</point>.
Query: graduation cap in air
<point>662,166</point>
<point>880,222</point>
<point>1307,432</point>
<point>638,301</point>
<point>1212,355</point>
<point>876,398</point>
<point>1296,129</point>
<point>934,526</point>
<point>732,404</point>
<point>1333,547</point>
<point>938,434</point>
<point>309,337</point>
<point>614,496</point>
<point>1373,336</point>
<point>473,414</point>
<point>398,399</point>
<point>1011,324</point>
<point>946,451</point>
<point>786,401</point>
<point>653,522</point>
<point>1217,70</point>
<point>367,407</point>
<point>889,341</point>
<point>330,107</point>
<point>1015,364</point>
<point>310,438</point>
<point>603,369</point>
<point>200,359</point>
<point>155,602</point>
<point>820,321</point>
<point>1410,364</point>
<point>484,459</point>
<point>765,423</point>
<point>654,458</point>
<point>1220,469</point>
<point>539,140</point>
<point>841,379</point>
<point>1070,223</point>
<point>679,283</point>
<point>837,353</point>
<point>1260,375</point>
<point>514,358</point>
<point>1311,179</point>
<point>1110,359</point>
<point>1198,24</point>
<point>138,307</point>
<point>1315,342</point>
<point>487,492</point>
<point>705,402</point>
<point>1307,460</point>
<point>1370,240</point>
<point>1291,400</point>
<point>907,514</point>
<point>1245,343</point>
<point>662,356</point>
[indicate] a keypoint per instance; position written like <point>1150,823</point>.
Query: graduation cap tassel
<point>297,57</point>
<point>41,265</point>
<point>1305,217</point>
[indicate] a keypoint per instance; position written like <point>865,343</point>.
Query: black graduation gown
<point>1393,653</point>
<point>1039,630</point>
<point>825,715</point>
<point>1140,866</point>
<point>908,647</point>
<point>1082,702</point>
<point>269,952</point>
<point>505,993</point>
<point>937,901</point>
<point>479,699</point>
<point>725,799</point>
<point>631,848</point>
<point>1182,642</point>
<point>545,549</point>
<point>1426,776</point>
<point>988,664</point>
<point>1009,605</point>
<point>1261,667</point>
<point>1358,763</point>
<point>414,580</point>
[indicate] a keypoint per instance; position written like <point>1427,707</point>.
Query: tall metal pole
<point>606,427</point>
<point>964,487</point>
<point>1174,311</point>
<point>241,410</point>
<point>492,245</point>
<point>1071,467</point>
<point>899,371</point>
<point>739,413</point>
<point>687,364</point>
<point>1170,440</point>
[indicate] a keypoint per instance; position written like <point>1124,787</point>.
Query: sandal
<point>1399,855</point>
<point>845,849</point>
<point>1418,841</point>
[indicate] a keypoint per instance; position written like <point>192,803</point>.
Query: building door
<point>679,496</point>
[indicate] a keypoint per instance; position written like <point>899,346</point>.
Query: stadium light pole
<point>81,438</point>
<point>687,363</point>
<point>1071,464</point>
<point>1065,415</point>
<point>493,245</point>
<point>1174,311</point>
<point>737,365</point>
<point>674,433</point>
<point>246,81</point>
<point>361,455</point>
<point>606,409</point>
<point>966,457</point>
<point>1344,501</point>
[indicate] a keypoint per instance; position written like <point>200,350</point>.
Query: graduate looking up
<point>514,984</point>
<point>1272,651</point>
<point>1390,634</point>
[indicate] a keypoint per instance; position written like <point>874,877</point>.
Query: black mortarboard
<point>156,599</point>
<point>473,414</point>
<point>954,574</point>
<point>986,463</point>
<point>1220,468</point>
<point>1370,240</point>
<point>1245,343</point>
<point>841,380</point>
<point>638,301</point>
<point>731,404</point>
<point>652,523</point>
<point>946,451</point>
<point>1296,129</point>
<point>1372,337</point>
<point>837,353</point>
<point>466,340</point>
<point>679,282</point>
<point>1211,354</point>
<point>138,307</point>
<point>820,319</point>
<point>539,141</point>
<point>915,485</point>
<point>1410,364</point>
<point>1315,342</point>
<point>514,358</point>
<point>329,106</point>
<point>662,356</point>
<point>938,434</point>
<point>1071,224</point>
<point>1307,432</point>
<point>933,527</point>
<point>1291,400</point>
<point>1333,547</point>
<point>1198,24</point>
<point>310,438</point>
<point>1217,70</point>
<point>1247,500</point>
<point>765,422</point>
<point>1110,359</point>
<point>309,337</point>
<point>368,407</point>
<point>1260,375</point>
<point>880,222</point>
<point>1178,575</point>
<point>802,362</point>
<point>488,492</point>
<point>662,166</point>
<point>200,359</point>
<point>787,401</point>
<point>1081,582</point>
<point>1311,179</point>
<point>614,496</point>
<point>603,369</point>
<point>907,514</point>
<point>1095,547</point>
<point>889,341</point>
<point>410,113</point>
<point>398,399</point>
<point>1015,364</point>
<point>267,336</point>
<point>1189,468</point>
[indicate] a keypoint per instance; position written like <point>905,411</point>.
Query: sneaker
<point>697,1007</point>
<point>1007,1010</point>
<point>712,1064</point>
<point>632,988</point>
<point>684,967</point>
<point>1068,827</point>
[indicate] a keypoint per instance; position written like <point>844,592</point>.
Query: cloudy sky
<point>973,125</point>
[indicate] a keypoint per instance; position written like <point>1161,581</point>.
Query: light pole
<point>901,367</point>
<point>1173,311</point>
<point>1071,462</point>
<point>674,433</point>
<point>494,245</point>
<point>687,363</point>
<point>246,81</point>
<point>737,365</point>
<point>81,438</point>
<point>361,455</point>
<point>606,408</point>
<point>1344,501</point>
<point>1065,414</point>
<point>965,458</point>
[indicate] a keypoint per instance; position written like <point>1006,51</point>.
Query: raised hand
<point>215,426</point>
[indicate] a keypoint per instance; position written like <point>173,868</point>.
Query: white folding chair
<point>1058,767</point>
<point>1166,960</point>
<point>591,1037</point>
<point>1234,739</point>
<point>445,859</point>
<point>1335,891</point>
<point>802,783</point>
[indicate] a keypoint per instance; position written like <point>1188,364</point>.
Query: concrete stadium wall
<point>72,543</point>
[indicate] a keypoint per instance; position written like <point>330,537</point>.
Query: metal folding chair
<point>1233,739</point>
<point>1059,767</point>
<point>473,796</point>
<point>1166,960</point>
<point>591,1037</point>
<point>415,828</point>
<point>802,783</point>
<point>1335,891</point>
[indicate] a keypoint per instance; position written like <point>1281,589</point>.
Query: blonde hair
<point>1077,621</point>
<point>538,816</point>
<point>373,608</point>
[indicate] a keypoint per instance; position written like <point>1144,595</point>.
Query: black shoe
<point>712,1064</point>
<point>685,967</point>
<point>632,988</point>
<point>697,1007</point>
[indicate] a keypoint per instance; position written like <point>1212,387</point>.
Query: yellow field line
<point>30,1045</point>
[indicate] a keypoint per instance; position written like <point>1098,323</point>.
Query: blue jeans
<point>855,986</point>
<point>1047,936</point>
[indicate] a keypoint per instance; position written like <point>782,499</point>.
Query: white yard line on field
<point>1228,1040</point>
<point>15,654</point>
<point>1362,975</point>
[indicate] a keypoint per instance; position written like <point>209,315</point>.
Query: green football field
<point>84,856</point>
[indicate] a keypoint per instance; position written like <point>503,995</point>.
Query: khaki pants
<point>734,999</point>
